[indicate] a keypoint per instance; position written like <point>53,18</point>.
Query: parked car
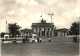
<point>33,39</point>
<point>6,36</point>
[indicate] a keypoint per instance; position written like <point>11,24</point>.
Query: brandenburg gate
<point>43,29</point>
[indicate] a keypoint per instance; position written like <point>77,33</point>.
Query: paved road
<point>58,47</point>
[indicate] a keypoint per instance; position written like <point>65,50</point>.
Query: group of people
<point>26,39</point>
<point>38,40</point>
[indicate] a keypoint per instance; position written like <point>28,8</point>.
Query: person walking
<point>40,40</point>
<point>23,39</point>
<point>26,38</point>
<point>49,39</point>
<point>14,40</point>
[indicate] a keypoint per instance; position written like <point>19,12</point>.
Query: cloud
<point>33,2</point>
<point>23,10</point>
<point>23,2</point>
<point>26,12</point>
<point>10,12</point>
<point>27,2</point>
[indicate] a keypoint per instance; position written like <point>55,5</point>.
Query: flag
<point>41,16</point>
<point>6,21</point>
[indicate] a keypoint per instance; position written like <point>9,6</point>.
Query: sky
<point>26,12</point>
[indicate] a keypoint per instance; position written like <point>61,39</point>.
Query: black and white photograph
<point>39,27</point>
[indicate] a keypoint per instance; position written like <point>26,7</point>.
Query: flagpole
<point>40,29</point>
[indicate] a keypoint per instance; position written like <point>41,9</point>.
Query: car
<point>33,39</point>
<point>6,36</point>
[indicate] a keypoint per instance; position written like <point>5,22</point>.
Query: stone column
<point>37,31</point>
<point>67,33</point>
<point>64,34</point>
<point>52,32</point>
<point>33,30</point>
<point>28,33</point>
<point>45,32</point>
<point>49,31</point>
<point>58,34</point>
<point>40,32</point>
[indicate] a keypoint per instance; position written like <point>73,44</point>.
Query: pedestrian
<point>23,39</point>
<point>40,40</point>
<point>26,38</point>
<point>14,40</point>
<point>49,39</point>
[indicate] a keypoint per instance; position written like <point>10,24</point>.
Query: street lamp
<point>51,14</point>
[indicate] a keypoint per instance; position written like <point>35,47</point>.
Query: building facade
<point>26,32</point>
<point>61,32</point>
<point>43,29</point>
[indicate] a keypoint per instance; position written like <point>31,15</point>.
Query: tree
<point>14,29</point>
<point>75,28</point>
